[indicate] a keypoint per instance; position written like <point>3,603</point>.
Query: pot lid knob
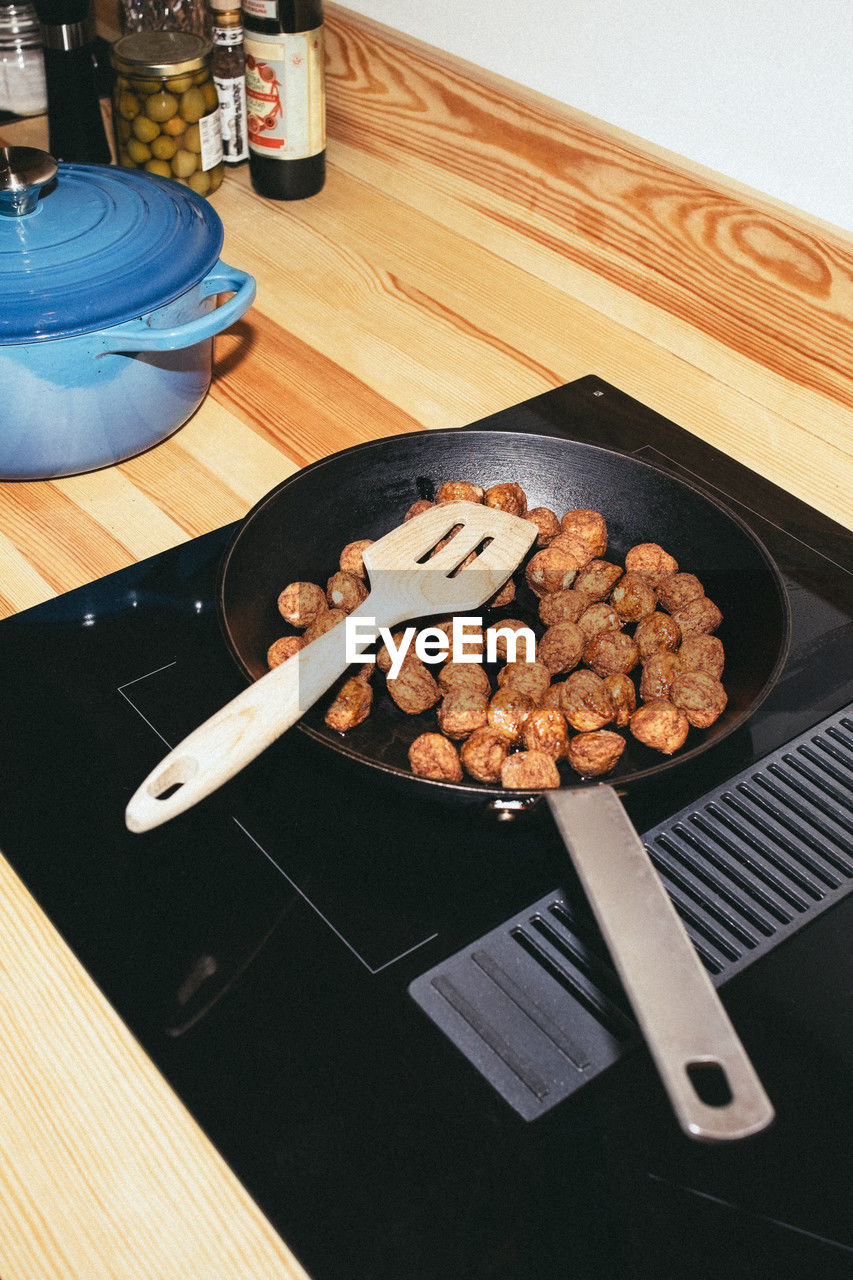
<point>23,173</point>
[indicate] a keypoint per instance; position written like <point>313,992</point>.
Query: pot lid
<point>95,246</point>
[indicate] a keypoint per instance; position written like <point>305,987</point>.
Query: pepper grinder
<point>75,125</point>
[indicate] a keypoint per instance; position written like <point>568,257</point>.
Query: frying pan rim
<point>473,790</point>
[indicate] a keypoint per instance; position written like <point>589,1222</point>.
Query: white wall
<point>760,90</point>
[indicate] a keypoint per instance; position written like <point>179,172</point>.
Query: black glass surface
<point>260,946</point>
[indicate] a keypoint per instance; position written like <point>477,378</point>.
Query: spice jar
<point>166,109</point>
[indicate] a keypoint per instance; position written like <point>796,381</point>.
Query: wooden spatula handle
<point>218,749</point>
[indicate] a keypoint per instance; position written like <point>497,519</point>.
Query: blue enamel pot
<point>109,302</point>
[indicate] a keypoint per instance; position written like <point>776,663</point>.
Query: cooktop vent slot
<point>746,866</point>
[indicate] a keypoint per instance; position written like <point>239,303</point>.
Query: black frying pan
<point>297,533</point>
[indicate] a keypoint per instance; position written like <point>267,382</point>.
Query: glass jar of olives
<point>166,109</point>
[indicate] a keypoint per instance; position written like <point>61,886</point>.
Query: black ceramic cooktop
<point>261,947</point>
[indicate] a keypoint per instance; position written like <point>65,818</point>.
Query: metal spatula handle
<point>685,1026</point>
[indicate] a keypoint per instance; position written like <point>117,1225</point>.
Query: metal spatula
<point>404,584</point>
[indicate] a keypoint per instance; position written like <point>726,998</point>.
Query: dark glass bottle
<point>75,124</point>
<point>286,100</point>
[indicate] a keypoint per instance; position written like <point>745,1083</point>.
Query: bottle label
<point>285,94</point>
<point>232,109</point>
<point>226,37</point>
<point>261,9</point>
<point>210,136</point>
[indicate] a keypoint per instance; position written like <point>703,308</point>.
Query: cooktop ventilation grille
<point>536,1005</point>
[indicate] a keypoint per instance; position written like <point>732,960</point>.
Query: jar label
<point>232,110</point>
<point>285,94</point>
<point>261,9</point>
<point>210,136</point>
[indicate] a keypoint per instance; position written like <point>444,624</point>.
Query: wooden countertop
<point>475,244</point>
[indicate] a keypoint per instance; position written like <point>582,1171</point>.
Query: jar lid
<point>102,245</point>
<point>160,53</point>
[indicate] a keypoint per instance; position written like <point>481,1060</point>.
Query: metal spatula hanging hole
<point>406,581</point>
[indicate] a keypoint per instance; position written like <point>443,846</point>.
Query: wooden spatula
<point>404,584</point>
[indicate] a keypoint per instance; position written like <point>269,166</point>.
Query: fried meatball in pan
<point>413,689</point>
<point>599,617</point>
<point>660,725</point>
<point>624,697</point>
<point>633,597</point>
<point>650,559</point>
<point>562,606</point>
<point>611,653</point>
<point>345,591</point>
<point>351,705</point>
<point>529,771</point>
<point>658,675</point>
<point>656,632</point>
<point>677,590</point>
<point>701,698</point>
<point>324,622</point>
<point>589,525</point>
<point>352,557</point>
<point>575,546</point>
<point>282,649</point>
<point>418,508</point>
<point>597,579</point>
<point>545,730</point>
<point>551,569</point>
<point>461,712</point>
<point>561,647</point>
<point>459,491</point>
<point>508,496</point>
<point>591,754</point>
<point>470,676</point>
<point>699,617</point>
<point>508,710</point>
<point>546,522</point>
<point>301,603</point>
<point>703,653</point>
<point>483,754</point>
<point>585,701</point>
<point>433,756</point>
<point>532,678</point>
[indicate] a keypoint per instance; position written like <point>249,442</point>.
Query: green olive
<point>201,76</point>
<point>211,97</point>
<point>174,127</point>
<point>159,167</point>
<point>184,163</point>
<point>180,84</point>
<point>147,86</point>
<point>192,138</point>
<point>144,129</point>
<point>122,128</point>
<point>163,148</point>
<point>138,151</point>
<point>161,106</point>
<point>192,105</point>
<point>216,175</point>
<point>128,106</point>
<point>200,182</point>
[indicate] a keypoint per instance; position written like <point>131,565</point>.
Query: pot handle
<point>694,1045</point>
<point>136,335</point>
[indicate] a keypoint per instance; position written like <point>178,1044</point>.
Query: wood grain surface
<point>475,244</point>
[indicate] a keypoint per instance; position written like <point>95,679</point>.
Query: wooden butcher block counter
<point>475,244</point>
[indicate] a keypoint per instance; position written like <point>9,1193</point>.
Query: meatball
<point>484,753</point>
<point>433,756</point>
<point>470,676</point>
<point>531,678</point>
<point>502,598</point>
<point>546,522</point>
<point>551,569</point>
<point>462,711</point>
<point>495,636</point>
<point>383,656</point>
<point>551,696</point>
<point>589,525</point>
<point>611,653</point>
<point>624,697</point>
<point>575,546</point>
<point>598,579</point>
<point>418,508</point>
<point>351,705</point>
<point>561,647</point>
<point>324,622</point>
<point>282,649</point>
<point>507,497</point>
<point>591,754</point>
<point>658,675</point>
<point>459,491</point>
<point>345,591</point>
<point>677,590</point>
<point>414,689</point>
<point>473,641</point>
<point>700,697</point>
<point>507,712</point>
<point>703,653</point>
<point>633,598</point>
<point>545,730</point>
<point>562,606</point>
<point>699,617</point>
<point>660,725</point>
<point>529,771</point>
<point>585,701</point>
<point>352,557</point>
<point>301,603</point>
<point>599,617</point>
<point>651,561</point>
<point>656,632</point>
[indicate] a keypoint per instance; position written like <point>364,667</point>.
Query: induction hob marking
<point>370,968</point>
<point>373,969</point>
